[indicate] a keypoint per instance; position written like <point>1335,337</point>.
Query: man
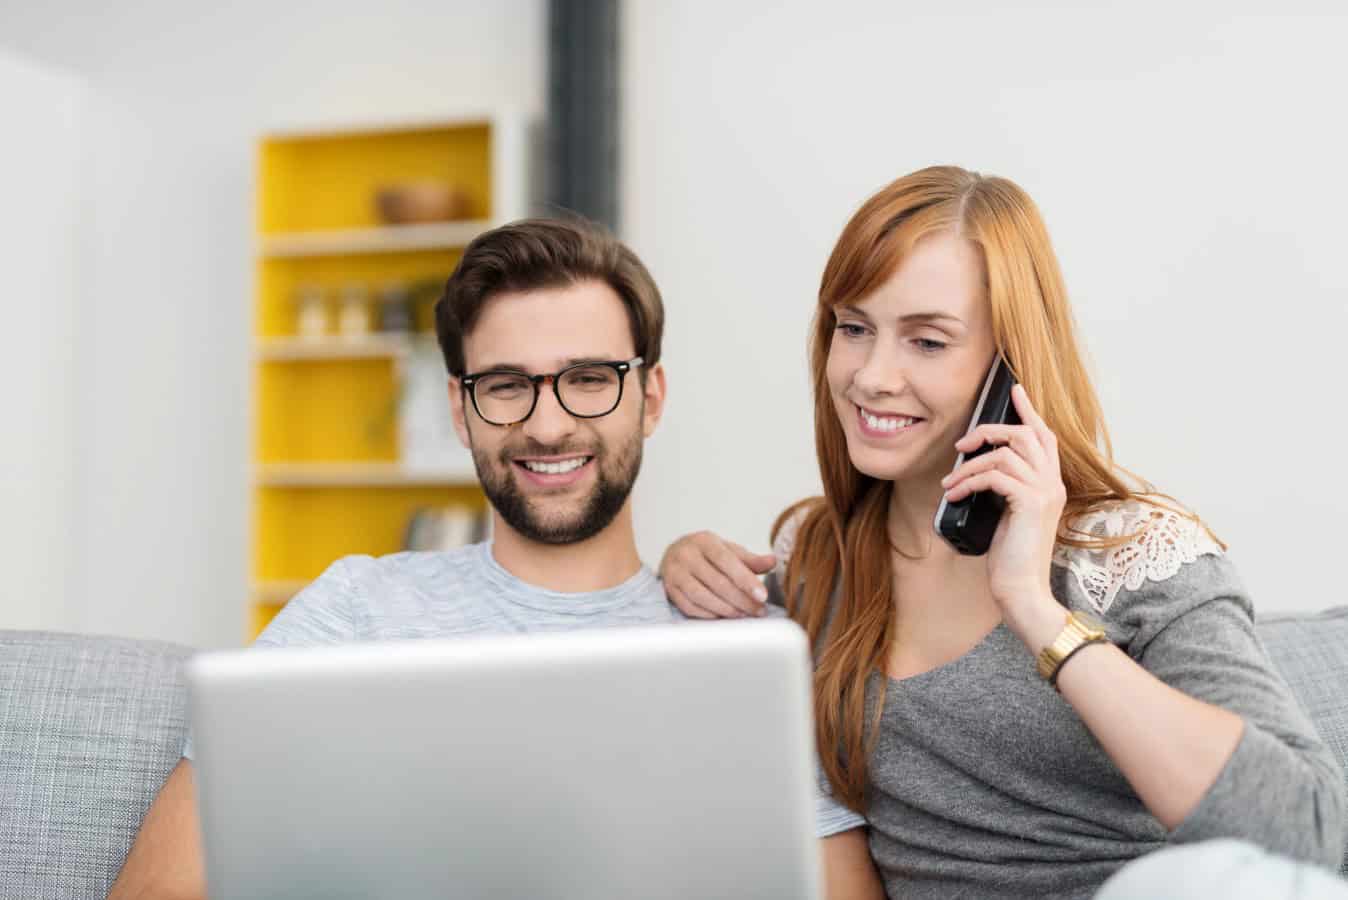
<point>551,333</point>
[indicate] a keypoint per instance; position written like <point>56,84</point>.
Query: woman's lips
<point>885,426</point>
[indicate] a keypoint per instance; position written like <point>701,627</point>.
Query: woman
<point>984,765</point>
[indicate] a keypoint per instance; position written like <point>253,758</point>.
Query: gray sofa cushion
<point>1311,651</point>
<point>89,729</point>
<point>91,726</point>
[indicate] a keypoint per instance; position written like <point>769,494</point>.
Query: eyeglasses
<point>585,390</point>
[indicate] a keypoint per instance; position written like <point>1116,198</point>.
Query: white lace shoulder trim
<point>785,541</point>
<point>1164,541</point>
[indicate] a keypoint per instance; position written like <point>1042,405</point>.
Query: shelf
<point>392,474</point>
<point>373,346</point>
<point>388,239</point>
<point>277,593</point>
<point>338,422</point>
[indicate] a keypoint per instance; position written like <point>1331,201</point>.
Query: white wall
<point>178,93</point>
<point>40,228</point>
<point>1189,161</point>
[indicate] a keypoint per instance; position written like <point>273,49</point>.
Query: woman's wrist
<point>1036,619</point>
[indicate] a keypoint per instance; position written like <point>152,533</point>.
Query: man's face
<point>555,478</point>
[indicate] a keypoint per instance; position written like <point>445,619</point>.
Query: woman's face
<point>907,362</point>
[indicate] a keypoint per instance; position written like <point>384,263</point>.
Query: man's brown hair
<point>543,253</point>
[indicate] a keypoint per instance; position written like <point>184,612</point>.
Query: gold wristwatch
<point>1079,631</point>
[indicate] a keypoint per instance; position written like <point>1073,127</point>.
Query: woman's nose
<point>881,375</point>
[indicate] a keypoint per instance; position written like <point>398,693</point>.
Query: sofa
<point>91,726</point>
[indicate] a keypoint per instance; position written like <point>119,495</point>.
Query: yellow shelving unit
<point>328,475</point>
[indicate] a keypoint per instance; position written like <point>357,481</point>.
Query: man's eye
<point>590,379</point>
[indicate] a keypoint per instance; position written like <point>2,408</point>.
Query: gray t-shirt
<point>467,592</point>
<point>985,782</point>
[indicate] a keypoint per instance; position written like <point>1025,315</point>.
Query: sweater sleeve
<point>832,817</point>
<point>1281,788</point>
<point>322,613</point>
<point>783,542</point>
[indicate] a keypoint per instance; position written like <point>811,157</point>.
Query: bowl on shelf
<point>412,202</point>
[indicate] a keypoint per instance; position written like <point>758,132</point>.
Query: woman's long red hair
<point>846,530</point>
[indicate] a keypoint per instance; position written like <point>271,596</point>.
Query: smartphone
<point>969,524</point>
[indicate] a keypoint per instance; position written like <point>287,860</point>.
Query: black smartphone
<point>969,524</point>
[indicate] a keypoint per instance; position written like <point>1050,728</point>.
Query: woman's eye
<point>851,329</point>
<point>927,345</point>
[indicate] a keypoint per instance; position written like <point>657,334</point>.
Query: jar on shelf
<point>311,311</point>
<point>395,309</point>
<point>353,320</point>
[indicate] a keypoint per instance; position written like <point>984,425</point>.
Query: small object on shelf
<point>426,437</point>
<point>311,311</point>
<point>444,528</point>
<point>422,201</point>
<point>354,319</point>
<point>395,309</point>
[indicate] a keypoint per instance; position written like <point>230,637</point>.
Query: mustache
<point>533,447</point>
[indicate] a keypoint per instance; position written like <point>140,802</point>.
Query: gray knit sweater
<point>985,783</point>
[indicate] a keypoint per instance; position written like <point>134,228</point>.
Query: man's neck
<point>603,561</point>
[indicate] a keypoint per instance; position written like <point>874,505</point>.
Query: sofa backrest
<point>91,726</point>
<point>89,729</point>
<point>1311,651</point>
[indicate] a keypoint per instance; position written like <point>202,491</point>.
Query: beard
<point>583,517</point>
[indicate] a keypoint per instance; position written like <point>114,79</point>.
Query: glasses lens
<point>502,397</point>
<point>589,390</point>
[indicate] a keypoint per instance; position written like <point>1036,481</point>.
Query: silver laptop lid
<point>668,761</point>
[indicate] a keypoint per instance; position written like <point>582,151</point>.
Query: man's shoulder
<point>370,580</point>
<point>384,597</point>
<point>419,565</point>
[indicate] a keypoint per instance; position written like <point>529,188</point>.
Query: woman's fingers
<point>991,480</point>
<point>707,576</point>
<point>743,569</point>
<point>760,563</point>
<point>1020,438</point>
<point>722,575</point>
<point>685,603</point>
<point>1030,416</point>
<point>695,601</point>
<point>1003,459</point>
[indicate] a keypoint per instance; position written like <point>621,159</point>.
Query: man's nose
<point>550,423</point>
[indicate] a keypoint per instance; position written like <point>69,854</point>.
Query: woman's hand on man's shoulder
<point>709,577</point>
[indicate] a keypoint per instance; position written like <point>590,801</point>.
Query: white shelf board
<point>326,127</point>
<point>276,593</point>
<point>386,239</point>
<point>373,346</point>
<point>389,474</point>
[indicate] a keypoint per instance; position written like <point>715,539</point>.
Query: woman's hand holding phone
<point>1025,470</point>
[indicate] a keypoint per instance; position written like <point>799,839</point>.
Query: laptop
<point>645,762</point>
